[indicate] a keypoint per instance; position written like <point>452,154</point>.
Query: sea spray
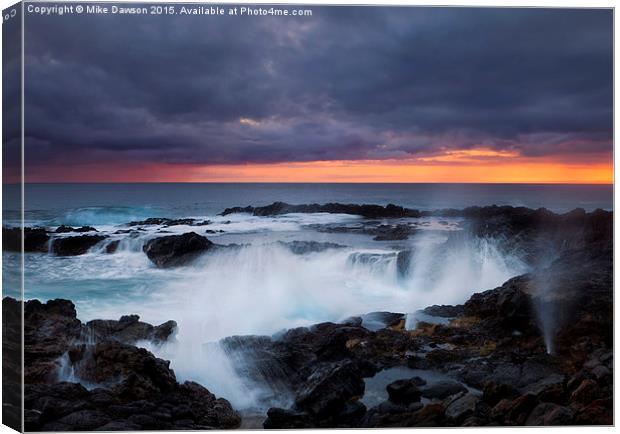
<point>542,293</point>
<point>66,370</point>
<point>262,288</point>
<point>545,310</point>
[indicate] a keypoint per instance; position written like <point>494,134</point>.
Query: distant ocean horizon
<point>116,203</point>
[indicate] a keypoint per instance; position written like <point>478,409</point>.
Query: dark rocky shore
<point>81,377</point>
<point>537,350</point>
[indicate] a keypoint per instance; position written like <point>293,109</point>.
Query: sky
<point>350,94</point>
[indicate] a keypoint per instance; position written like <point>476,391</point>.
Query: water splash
<point>546,310</point>
<point>263,288</point>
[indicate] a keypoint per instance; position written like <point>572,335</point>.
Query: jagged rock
<point>134,388</point>
<point>329,388</point>
<point>130,330</point>
<point>443,311</point>
<point>73,246</point>
<point>175,250</point>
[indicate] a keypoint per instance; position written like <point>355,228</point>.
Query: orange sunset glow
<point>475,166</point>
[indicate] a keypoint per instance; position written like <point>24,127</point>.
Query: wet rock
<point>329,388</point>
<point>49,330</point>
<point>587,392</point>
<point>305,247</point>
<point>119,425</point>
<point>12,363</point>
<point>279,418</point>
<point>404,391</point>
<point>65,229</point>
<point>128,329</point>
<point>462,407</point>
<point>429,415</point>
<point>368,211</point>
<point>598,412</point>
<point>133,387</point>
<point>85,420</point>
<point>378,320</point>
<point>494,392</point>
<point>73,246</point>
<point>601,372</point>
<point>393,233</point>
<point>550,414</point>
<point>35,240</point>
<point>443,311</point>
<point>404,265</point>
<point>520,408</point>
<point>112,246</point>
<point>552,388</point>
<point>166,222</point>
<point>176,250</point>
<point>442,389</point>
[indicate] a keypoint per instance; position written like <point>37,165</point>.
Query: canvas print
<point>302,216</point>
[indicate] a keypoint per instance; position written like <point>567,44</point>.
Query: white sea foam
<point>263,287</point>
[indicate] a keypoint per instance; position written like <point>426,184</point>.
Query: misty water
<point>261,287</point>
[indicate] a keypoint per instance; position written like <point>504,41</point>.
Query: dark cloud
<point>347,83</point>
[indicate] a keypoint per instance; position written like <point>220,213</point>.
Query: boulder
<point>462,407</point>
<point>442,389</point>
<point>404,391</point>
<point>176,250</point>
<point>587,392</point>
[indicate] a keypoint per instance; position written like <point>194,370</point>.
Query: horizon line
<point>311,182</point>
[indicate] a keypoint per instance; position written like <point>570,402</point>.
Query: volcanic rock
<point>77,245</point>
<point>35,240</point>
<point>176,250</point>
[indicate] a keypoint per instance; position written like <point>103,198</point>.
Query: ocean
<point>114,203</point>
<point>263,287</point>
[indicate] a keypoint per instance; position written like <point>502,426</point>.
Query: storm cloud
<point>347,83</point>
